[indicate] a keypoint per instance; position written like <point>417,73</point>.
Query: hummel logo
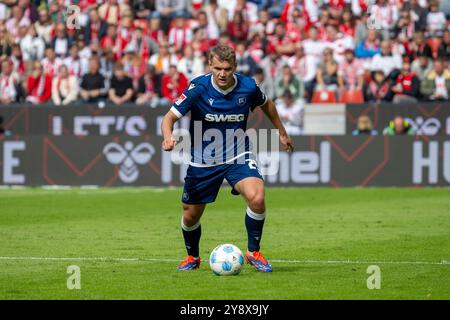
<point>211,101</point>
<point>191,86</point>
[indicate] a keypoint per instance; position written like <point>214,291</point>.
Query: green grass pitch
<point>320,242</point>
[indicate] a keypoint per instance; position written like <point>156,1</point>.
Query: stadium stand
<point>311,37</point>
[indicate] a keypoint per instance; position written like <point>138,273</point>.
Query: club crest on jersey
<point>180,99</point>
<point>241,100</point>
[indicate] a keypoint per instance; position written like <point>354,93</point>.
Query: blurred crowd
<point>146,51</point>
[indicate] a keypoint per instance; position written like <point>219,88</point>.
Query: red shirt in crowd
<point>171,90</point>
<point>40,87</point>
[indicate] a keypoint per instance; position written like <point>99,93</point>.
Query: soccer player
<point>219,102</point>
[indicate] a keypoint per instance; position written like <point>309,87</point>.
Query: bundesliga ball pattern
<point>226,260</point>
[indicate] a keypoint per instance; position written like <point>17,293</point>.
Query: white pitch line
<point>442,262</point>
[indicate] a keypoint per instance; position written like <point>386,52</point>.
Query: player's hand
<point>169,144</point>
<point>287,142</point>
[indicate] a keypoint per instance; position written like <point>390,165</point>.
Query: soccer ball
<point>226,260</point>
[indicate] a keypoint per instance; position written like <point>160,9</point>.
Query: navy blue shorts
<point>202,184</point>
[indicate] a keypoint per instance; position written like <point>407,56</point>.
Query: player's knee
<point>256,203</point>
<point>190,217</point>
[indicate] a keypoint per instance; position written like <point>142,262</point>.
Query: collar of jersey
<point>224,92</point>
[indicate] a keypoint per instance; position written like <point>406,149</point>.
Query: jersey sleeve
<point>187,99</point>
<point>259,98</point>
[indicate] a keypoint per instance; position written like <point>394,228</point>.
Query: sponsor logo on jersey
<point>224,117</point>
<point>211,101</point>
<point>180,99</point>
<point>191,86</point>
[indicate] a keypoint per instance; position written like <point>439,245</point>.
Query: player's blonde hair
<point>223,53</point>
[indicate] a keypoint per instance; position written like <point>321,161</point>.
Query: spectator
<point>121,90</point>
<point>436,21</point>
<point>385,13</point>
<point>64,87</point>
<point>313,46</point>
<point>238,28</point>
<point>347,24</point>
<point>44,26</point>
<point>265,83</point>
<point>148,92</point>
<point>436,85</point>
<point>142,8</point>
<point>17,20</point>
<point>142,44</point>
<point>378,89</point>
<point>180,35</point>
<point>6,42</point>
<point>51,62</point>
<point>364,127</point>
<point>419,47</point>
<point>245,63</point>
<point>407,87</point>
<point>421,66</point>
<point>210,27</point>
<point>173,84</point>
<point>405,27</point>
<point>418,13</point>
<point>305,66</point>
<point>388,61</point>
<point>279,42</point>
<point>93,87</point>
<point>39,85</point>
<point>338,42</point>
<point>444,48</point>
<point>32,45</point>
<point>288,81</point>
<point>163,59</point>
<point>398,126</point>
<point>167,9</point>
<point>95,29</point>
<point>290,111</point>
<point>111,12</point>
<point>190,64</point>
<point>61,43</point>
<point>327,72</point>
<point>350,72</point>
<point>9,82</point>
<point>369,47</point>
<point>73,62</point>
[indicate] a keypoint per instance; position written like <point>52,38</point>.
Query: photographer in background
<point>398,127</point>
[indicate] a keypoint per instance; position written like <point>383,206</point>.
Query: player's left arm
<point>271,112</point>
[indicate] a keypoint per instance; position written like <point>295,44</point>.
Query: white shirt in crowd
<point>436,21</point>
<point>7,86</point>
<point>386,63</point>
<point>339,46</point>
<point>292,117</point>
<point>441,89</point>
<point>32,48</point>
<point>305,68</point>
<point>314,48</point>
<point>64,91</point>
<point>191,68</point>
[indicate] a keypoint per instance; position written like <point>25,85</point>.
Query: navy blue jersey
<point>218,118</point>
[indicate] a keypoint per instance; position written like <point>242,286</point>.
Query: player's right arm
<point>167,128</point>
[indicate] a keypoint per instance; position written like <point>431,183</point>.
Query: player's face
<point>222,72</point>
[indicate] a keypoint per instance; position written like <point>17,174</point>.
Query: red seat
<point>434,44</point>
<point>352,96</point>
<point>324,96</point>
